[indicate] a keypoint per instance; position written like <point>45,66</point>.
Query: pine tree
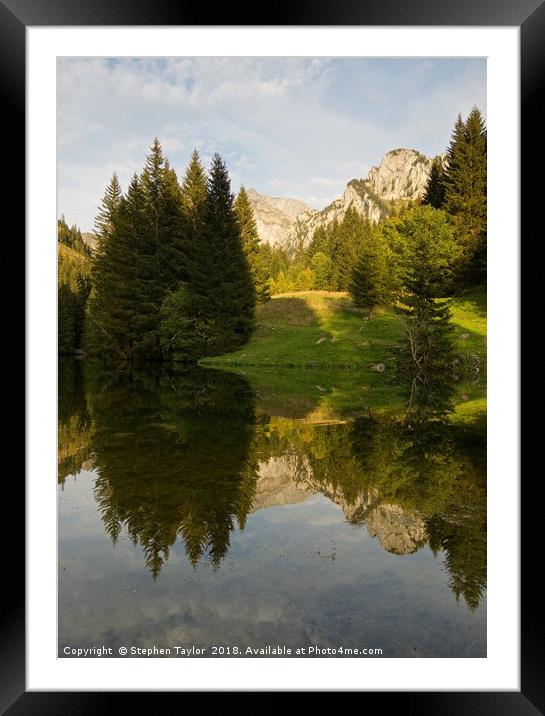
<point>194,189</point>
<point>194,193</point>
<point>213,311</point>
<point>368,286</point>
<point>348,241</point>
<point>126,302</point>
<point>107,209</point>
<point>251,243</point>
<point>435,188</point>
<point>465,194</point>
<point>431,250</point>
<point>173,233</point>
<point>321,265</point>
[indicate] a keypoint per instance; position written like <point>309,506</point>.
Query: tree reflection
<point>178,457</point>
<point>172,454</point>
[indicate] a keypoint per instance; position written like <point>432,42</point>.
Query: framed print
<point>272,360</point>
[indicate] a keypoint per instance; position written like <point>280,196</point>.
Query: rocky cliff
<point>400,178</point>
<point>275,216</point>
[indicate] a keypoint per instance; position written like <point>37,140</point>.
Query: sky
<point>294,127</point>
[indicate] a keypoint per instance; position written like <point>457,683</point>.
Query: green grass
<point>316,329</point>
<point>312,354</point>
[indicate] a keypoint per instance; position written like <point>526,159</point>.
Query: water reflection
<point>190,456</point>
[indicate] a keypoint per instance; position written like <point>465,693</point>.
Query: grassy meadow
<point>314,355</point>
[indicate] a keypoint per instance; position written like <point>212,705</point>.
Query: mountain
<point>400,178</point>
<point>399,531</point>
<point>90,239</point>
<point>275,216</point>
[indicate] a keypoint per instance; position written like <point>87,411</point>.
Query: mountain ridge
<point>399,179</point>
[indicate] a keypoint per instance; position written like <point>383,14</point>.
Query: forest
<point>179,271</point>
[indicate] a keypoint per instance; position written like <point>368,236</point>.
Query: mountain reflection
<point>189,456</point>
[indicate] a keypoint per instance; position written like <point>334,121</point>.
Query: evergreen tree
<point>126,303</point>
<point>465,194</point>
<point>167,230</point>
<point>107,210</point>
<point>140,259</point>
<point>213,310</point>
<point>194,190</point>
<point>251,243</point>
<point>173,234</point>
<point>431,252</point>
<point>435,188</point>
<point>368,286</point>
<point>194,193</point>
<point>351,233</point>
<point>322,267</point>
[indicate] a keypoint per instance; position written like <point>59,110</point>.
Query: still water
<point>190,516</point>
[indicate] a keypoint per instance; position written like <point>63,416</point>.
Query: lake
<point>193,511</point>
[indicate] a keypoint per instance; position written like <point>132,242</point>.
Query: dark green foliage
<point>435,188</point>
<point>139,259</point>
<point>194,192</point>
<point>107,209</point>
<point>251,244</point>
<point>126,305</point>
<point>465,195</point>
<point>212,312</point>
<point>369,281</point>
<point>172,232</point>
<point>161,422</point>
<point>170,275</point>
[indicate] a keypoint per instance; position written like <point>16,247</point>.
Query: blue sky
<point>299,127</point>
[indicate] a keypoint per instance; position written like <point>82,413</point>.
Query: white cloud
<point>300,127</point>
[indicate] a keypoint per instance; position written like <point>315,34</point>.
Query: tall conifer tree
<point>368,285</point>
<point>125,306</point>
<point>194,193</point>
<point>435,188</point>
<point>465,194</point>
<point>213,311</point>
<point>251,243</point>
<point>107,209</point>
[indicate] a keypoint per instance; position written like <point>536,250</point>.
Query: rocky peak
<point>400,178</point>
<point>401,175</point>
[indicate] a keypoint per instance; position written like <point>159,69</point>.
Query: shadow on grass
<point>286,312</point>
<point>474,301</point>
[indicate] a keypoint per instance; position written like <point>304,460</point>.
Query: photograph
<point>272,357</point>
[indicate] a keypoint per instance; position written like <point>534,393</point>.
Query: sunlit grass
<point>313,352</point>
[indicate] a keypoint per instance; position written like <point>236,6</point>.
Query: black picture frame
<point>529,15</point>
